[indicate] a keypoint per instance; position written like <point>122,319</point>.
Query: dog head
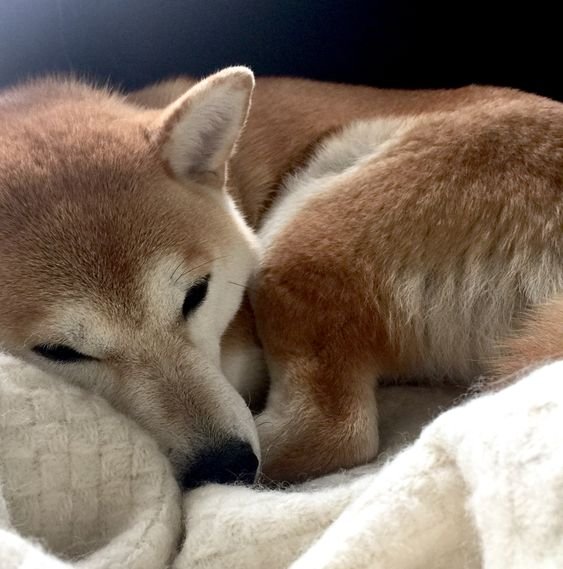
<point>123,259</point>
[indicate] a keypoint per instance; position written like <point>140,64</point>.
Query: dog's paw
<point>296,447</point>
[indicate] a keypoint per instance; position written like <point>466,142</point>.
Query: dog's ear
<point>196,134</point>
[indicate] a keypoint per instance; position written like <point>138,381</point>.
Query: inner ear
<point>197,133</point>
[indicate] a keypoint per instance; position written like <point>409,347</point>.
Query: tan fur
<point>411,260</point>
<point>410,266</point>
<point>289,117</point>
<point>99,241</point>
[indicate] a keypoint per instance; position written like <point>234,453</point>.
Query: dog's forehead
<point>104,324</point>
<point>85,204</point>
<point>103,244</point>
<point>84,230</point>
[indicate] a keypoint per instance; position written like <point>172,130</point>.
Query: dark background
<point>387,43</point>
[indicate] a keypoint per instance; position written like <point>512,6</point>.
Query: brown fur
<point>88,204</point>
<point>325,305</point>
<point>289,115</point>
<point>453,231</point>
<point>39,227</point>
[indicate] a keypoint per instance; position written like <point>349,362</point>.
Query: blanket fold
<point>480,488</point>
<point>78,480</point>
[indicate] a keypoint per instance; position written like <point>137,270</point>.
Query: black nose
<point>232,462</point>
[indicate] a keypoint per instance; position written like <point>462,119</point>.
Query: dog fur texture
<point>382,235</point>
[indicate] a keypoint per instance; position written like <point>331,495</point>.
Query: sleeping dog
<point>354,236</point>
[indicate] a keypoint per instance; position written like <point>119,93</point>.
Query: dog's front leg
<point>304,433</point>
<point>321,340</point>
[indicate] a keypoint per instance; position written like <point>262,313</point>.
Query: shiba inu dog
<point>380,235</point>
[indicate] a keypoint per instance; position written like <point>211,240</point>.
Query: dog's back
<point>446,224</point>
<point>407,247</point>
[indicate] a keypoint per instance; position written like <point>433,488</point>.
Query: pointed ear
<point>196,134</point>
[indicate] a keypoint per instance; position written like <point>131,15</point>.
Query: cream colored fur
<point>122,215</point>
<point>403,235</point>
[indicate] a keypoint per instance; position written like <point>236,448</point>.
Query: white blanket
<point>482,487</point>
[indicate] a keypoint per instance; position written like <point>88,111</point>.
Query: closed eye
<point>60,353</point>
<point>195,296</point>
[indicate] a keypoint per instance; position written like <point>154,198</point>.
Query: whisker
<point>245,287</point>
<point>269,483</point>
<point>33,336</point>
<point>272,444</point>
<point>192,269</point>
<point>174,273</point>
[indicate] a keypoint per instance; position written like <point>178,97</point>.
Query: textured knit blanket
<point>481,487</point>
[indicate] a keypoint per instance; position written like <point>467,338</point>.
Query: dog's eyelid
<point>195,295</point>
<point>61,353</point>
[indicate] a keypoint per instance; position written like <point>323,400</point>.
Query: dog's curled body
<point>403,236</point>
<point>407,248</point>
